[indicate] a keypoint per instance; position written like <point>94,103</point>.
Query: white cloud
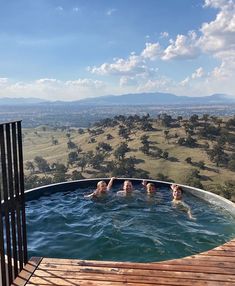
<point>85,83</point>
<point>54,89</point>
<point>164,35</point>
<point>217,3</point>
<point>184,82</point>
<point>46,80</point>
<point>110,11</point>
<point>127,81</point>
<point>151,85</point>
<point>3,80</point>
<point>59,8</point>
<point>219,35</point>
<point>184,47</point>
<point>198,73</point>
<point>151,51</point>
<point>133,65</point>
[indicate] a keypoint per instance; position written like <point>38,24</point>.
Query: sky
<point>75,49</point>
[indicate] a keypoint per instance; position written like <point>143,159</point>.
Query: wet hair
<point>101,182</point>
<point>150,185</point>
<point>127,181</point>
<point>176,187</point>
<point>179,188</point>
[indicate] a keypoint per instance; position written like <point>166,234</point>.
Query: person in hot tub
<point>127,189</point>
<point>152,192</point>
<point>177,193</point>
<point>101,189</point>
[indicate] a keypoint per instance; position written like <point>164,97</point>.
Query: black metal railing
<point>13,241</point>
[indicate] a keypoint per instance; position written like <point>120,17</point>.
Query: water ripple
<point>124,229</point>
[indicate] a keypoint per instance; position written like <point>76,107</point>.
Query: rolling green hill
<point>179,150</point>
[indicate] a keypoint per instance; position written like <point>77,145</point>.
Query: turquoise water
<point>138,229</point>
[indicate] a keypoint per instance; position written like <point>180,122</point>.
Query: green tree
<point>166,135</point>
<point>30,166</point>
<point>72,157</point>
<point>83,162</point>
<point>188,160</point>
<point>109,136</point>
<point>121,151</point>
<point>59,177</point>
<point>71,145</point>
<point>146,144</point>
<point>41,164</point>
<point>76,175</point>
<point>162,177</point>
<point>165,155</point>
<point>217,155</point>
<point>104,147</point>
<point>81,131</point>
<point>60,168</point>
<point>201,165</point>
<point>123,132</point>
<point>228,190</point>
<point>231,165</point>
<point>97,160</point>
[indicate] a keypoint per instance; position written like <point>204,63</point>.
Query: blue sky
<point>75,49</point>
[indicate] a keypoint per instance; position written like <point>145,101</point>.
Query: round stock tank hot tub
<point>61,223</point>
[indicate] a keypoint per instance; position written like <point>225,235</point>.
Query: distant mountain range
<point>157,99</point>
<point>129,99</point>
<point>20,101</point>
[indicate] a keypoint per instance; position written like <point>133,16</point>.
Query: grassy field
<point>38,142</point>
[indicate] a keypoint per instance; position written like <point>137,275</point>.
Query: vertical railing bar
<point>21,169</point>
<point>2,248</point>
<point>11,201</point>
<point>18,203</point>
<point>6,207</point>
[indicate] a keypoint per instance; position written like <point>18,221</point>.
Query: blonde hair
<point>150,185</point>
<point>100,183</point>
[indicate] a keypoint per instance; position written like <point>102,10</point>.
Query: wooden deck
<point>214,267</point>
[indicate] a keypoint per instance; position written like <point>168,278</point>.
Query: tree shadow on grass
<point>173,159</point>
<point>205,178</point>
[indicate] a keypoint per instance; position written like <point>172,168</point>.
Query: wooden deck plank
<point>190,267</point>
<point>161,281</point>
<point>214,267</point>
<point>27,272</point>
<point>132,277</point>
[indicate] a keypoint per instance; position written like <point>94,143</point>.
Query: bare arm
<point>89,196</point>
<point>190,214</point>
<point>144,183</point>
<point>110,184</point>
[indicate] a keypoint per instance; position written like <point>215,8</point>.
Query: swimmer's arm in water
<point>110,184</point>
<point>188,210</point>
<point>184,207</point>
<point>120,193</point>
<point>90,196</point>
<point>190,214</point>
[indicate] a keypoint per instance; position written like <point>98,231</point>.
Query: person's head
<point>177,193</point>
<point>151,189</point>
<point>101,187</point>
<point>127,186</point>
